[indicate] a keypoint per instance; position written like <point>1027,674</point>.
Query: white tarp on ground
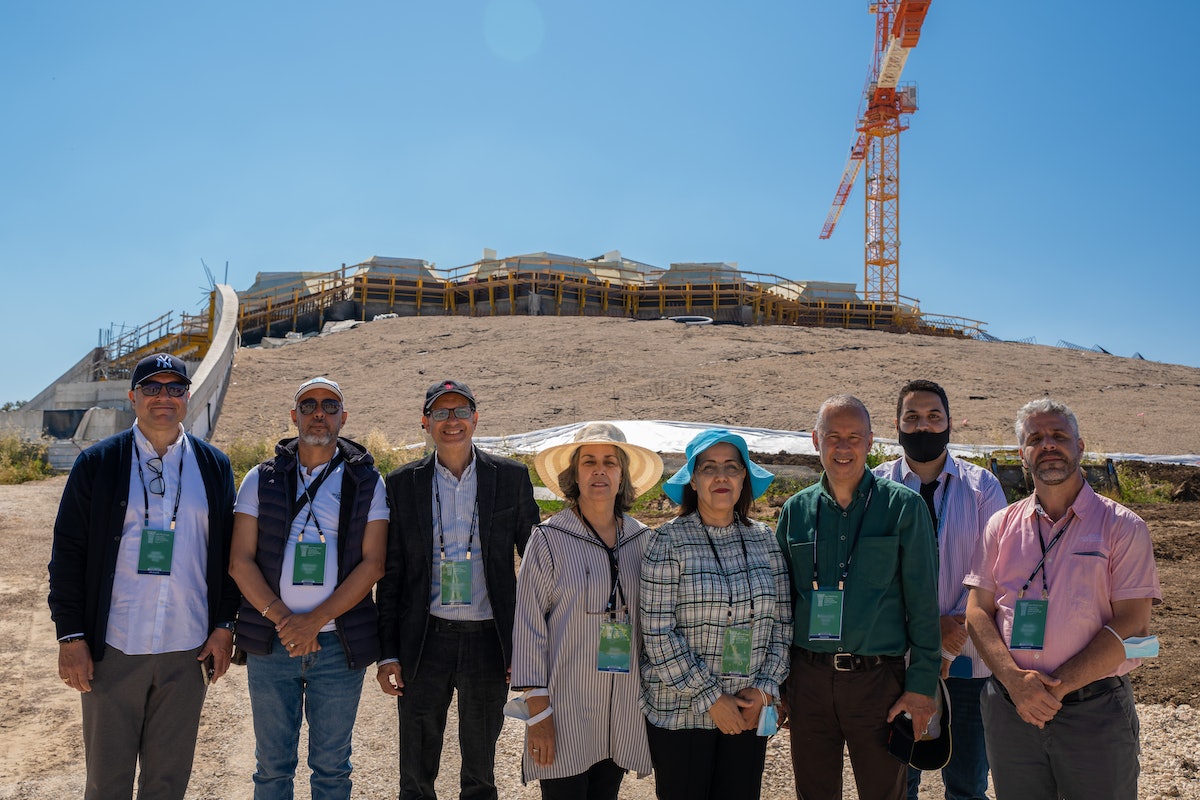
<point>672,437</point>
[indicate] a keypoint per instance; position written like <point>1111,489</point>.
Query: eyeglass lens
<point>442,414</point>
<point>309,405</point>
<point>728,470</point>
<point>154,389</point>
<point>158,486</point>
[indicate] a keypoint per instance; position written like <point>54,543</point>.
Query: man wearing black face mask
<point>961,497</point>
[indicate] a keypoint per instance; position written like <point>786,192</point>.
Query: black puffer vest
<point>358,628</point>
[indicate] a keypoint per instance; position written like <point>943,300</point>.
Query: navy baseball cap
<point>445,387</point>
<point>156,365</point>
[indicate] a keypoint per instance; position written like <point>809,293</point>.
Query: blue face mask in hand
<point>768,721</point>
<point>1141,646</point>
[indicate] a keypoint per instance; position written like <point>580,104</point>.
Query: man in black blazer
<point>447,600</point>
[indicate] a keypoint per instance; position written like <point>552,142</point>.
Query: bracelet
<point>268,608</point>
<point>948,656</point>
<point>75,637</point>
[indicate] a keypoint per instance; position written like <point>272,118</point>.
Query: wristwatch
<point>229,626</point>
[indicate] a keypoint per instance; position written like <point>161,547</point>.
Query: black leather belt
<point>1093,689</point>
<point>440,625</point>
<point>847,662</point>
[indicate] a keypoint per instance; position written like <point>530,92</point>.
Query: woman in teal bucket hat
<point>716,627</point>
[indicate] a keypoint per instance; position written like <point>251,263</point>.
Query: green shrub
<point>21,462</point>
<point>1137,488</point>
<point>245,455</point>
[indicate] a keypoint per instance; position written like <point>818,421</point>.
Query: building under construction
<point>90,400</point>
<point>558,285</point>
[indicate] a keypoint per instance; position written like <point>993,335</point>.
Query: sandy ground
<point>532,373</point>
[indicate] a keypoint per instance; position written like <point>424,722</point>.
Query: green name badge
<point>616,647</point>
<point>735,655</point>
<point>154,557</point>
<point>309,569</point>
<point>1029,624</point>
<point>456,583</point>
<point>825,615</point>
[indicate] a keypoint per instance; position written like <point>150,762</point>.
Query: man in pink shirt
<point>1061,591</point>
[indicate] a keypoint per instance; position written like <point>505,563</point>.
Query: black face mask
<point>924,446</point>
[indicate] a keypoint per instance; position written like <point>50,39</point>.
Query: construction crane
<point>881,117</point>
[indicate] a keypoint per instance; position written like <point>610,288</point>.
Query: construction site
<point>89,401</point>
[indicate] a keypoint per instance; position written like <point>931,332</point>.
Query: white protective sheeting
<point>672,437</point>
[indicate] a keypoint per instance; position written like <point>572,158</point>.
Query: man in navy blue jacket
<point>140,592</point>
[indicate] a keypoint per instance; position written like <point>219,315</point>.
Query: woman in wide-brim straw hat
<point>575,640</point>
<point>716,626</point>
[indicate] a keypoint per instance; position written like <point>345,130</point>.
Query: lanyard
<point>1045,551</point>
<point>311,491</point>
<point>615,591</point>
<point>853,544</point>
<point>437,498</point>
<point>146,497</point>
<point>725,575</point>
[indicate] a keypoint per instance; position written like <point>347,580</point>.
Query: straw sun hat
<point>645,466</point>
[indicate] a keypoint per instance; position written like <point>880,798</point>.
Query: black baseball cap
<point>444,387</point>
<point>156,365</point>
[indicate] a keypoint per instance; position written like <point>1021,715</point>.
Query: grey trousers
<point>1089,750</point>
<point>141,709</point>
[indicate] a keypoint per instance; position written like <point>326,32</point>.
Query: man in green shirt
<point>863,562</point>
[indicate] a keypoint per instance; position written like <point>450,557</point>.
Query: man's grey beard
<point>318,440</point>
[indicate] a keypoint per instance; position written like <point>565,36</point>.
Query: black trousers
<point>697,763</point>
<point>600,782</point>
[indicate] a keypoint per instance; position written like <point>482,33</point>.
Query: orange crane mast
<point>881,117</point>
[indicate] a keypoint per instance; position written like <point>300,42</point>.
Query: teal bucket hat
<point>760,479</point>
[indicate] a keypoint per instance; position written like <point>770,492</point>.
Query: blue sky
<point>1047,181</point>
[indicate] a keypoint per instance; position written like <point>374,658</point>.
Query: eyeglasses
<point>158,486</point>
<point>443,414</point>
<point>309,405</point>
<point>154,389</point>
<point>730,470</point>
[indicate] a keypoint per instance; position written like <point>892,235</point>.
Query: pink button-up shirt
<point>1105,556</point>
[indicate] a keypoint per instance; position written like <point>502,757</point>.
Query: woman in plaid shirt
<point>716,624</point>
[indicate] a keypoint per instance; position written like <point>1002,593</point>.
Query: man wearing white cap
<point>447,602</point>
<point>309,542</point>
<point>139,590</point>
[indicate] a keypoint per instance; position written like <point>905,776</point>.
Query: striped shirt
<point>562,589</point>
<point>975,495</point>
<point>687,576</point>
<point>456,522</point>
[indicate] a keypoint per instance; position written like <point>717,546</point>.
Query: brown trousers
<point>831,710</point>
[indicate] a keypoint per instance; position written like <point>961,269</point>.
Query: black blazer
<point>507,514</point>
<point>87,536</point>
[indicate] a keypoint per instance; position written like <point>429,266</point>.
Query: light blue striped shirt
<point>975,495</point>
<point>456,519</point>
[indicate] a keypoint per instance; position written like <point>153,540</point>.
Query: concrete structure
<point>81,407</point>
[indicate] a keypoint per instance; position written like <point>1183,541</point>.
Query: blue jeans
<point>462,657</point>
<point>966,775</point>
<point>322,688</point>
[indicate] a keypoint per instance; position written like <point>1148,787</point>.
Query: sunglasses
<point>309,405</point>
<point>443,414</point>
<point>154,389</point>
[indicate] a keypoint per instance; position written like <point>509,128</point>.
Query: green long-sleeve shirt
<point>890,603</point>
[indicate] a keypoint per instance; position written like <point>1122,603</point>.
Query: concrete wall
<point>211,379</point>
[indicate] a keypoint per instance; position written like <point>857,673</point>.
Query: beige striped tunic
<point>563,585</point>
